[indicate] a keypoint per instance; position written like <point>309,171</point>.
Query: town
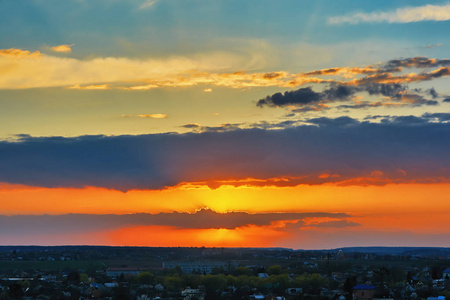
<point>97,272</point>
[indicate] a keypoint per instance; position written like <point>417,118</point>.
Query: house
<point>263,275</point>
<point>204,267</point>
<point>364,291</point>
<point>257,297</point>
<point>446,274</point>
<point>189,294</point>
<point>116,272</point>
<point>294,291</point>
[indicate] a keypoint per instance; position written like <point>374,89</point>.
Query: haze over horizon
<point>298,124</point>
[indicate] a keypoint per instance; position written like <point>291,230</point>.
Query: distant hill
<point>417,251</point>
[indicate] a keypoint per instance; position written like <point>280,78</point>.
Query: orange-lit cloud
<point>62,48</point>
<point>18,53</point>
<point>153,116</point>
<point>52,71</point>
<point>213,69</point>
<point>89,87</point>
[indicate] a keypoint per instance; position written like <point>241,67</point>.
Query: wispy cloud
<point>62,48</point>
<point>434,45</point>
<point>26,69</point>
<point>402,15</point>
<point>151,116</point>
<point>147,4</point>
<point>89,87</point>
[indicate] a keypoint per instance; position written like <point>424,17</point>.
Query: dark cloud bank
<point>204,219</point>
<point>418,146</point>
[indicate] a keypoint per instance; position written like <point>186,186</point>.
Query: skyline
<point>293,124</point>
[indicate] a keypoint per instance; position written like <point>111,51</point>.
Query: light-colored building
<point>189,294</point>
<point>203,267</point>
<point>116,272</point>
<point>364,291</point>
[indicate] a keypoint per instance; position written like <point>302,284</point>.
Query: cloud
<point>434,45</point>
<point>441,117</point>
<point>62,48</point>
<point>414,62</point>
<point>25,69</point>
<point>222,128</point>
<point>377,80</point>
<point>147,4</point>
<point>299,153</point>
<point>202,219</point>
<point>301,96</point>
<point>18,53</point>
<point>401,15</point>
<point>344,70</point>
<point>311,100</point>
<point>153,116</point>
<point>89,87</point>
<point>336,224</point>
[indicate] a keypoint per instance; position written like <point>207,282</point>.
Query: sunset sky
<point>300,124</point>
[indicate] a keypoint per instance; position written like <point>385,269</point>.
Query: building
<point>189,294</point>
<point>364,291</point>
<point>116,272</point>
<point>202,267</point>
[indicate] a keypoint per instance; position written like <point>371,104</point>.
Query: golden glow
<point>414,208</point>
<point>254,236</point>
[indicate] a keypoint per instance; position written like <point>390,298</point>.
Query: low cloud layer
<point>401,15</point>
<point>203,219</point>
<point>400,148</point>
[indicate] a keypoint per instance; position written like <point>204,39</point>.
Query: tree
<point>73,277</point>
<point>173,283</point>
<point>213,284</point>
<point>15,291</point>
<point>145,277</point>
<point>409,277</point>
<point>274,270</point>
<point>349,283</point>
<point>241,271</point>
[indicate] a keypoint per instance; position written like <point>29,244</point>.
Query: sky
<point>299,124</point>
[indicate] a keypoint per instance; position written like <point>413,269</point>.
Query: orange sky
<point>418,209</point>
